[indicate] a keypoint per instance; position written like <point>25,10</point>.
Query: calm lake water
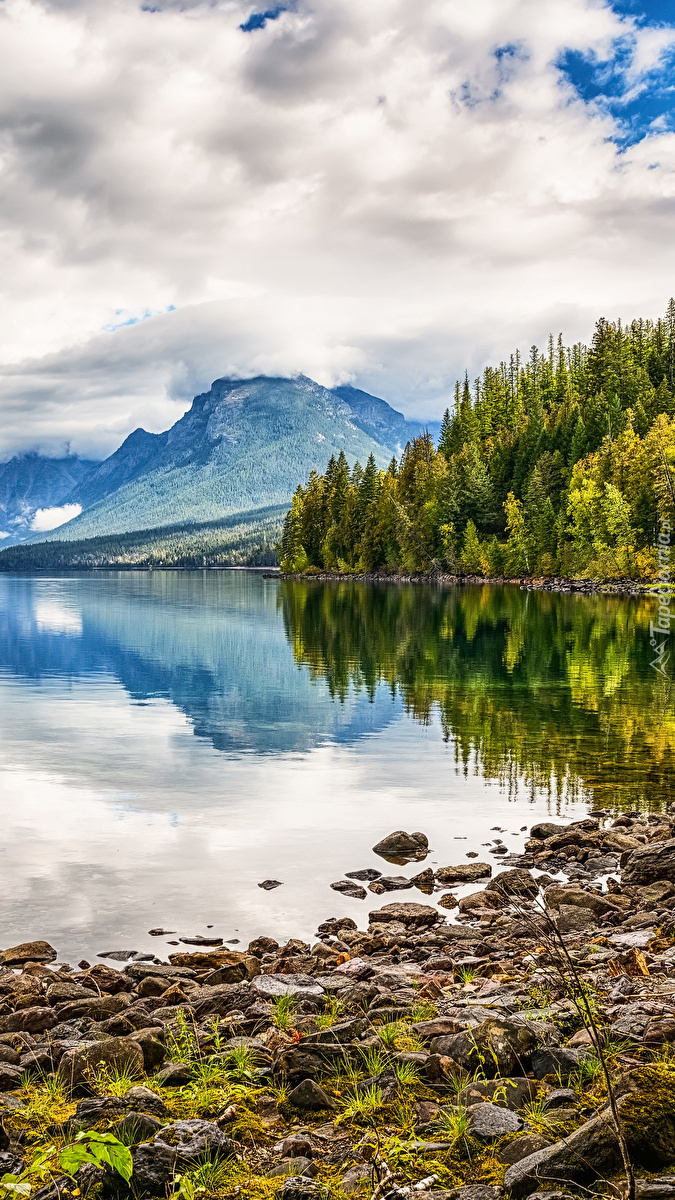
<point>170,740</point>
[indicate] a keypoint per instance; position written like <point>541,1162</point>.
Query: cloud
<point>385,193</point>
<point>51,518</point>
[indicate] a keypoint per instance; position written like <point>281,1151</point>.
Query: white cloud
<point>51,518</point>
<point>357,190</point>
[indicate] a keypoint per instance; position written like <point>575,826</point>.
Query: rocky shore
<point>620,587</point>
<point>459,1048</point>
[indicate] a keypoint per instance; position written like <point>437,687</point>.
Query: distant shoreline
<point>625,587</point>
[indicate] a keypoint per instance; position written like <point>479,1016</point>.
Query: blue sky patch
<point>638,111</point>
<point>258,20</point>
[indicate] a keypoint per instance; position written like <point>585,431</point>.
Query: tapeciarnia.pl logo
<point>659,631</point>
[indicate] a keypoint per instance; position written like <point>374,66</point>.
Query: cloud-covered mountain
<point>32,489</point>
<point>243,445</point>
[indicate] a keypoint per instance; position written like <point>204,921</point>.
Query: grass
<point>407,1073</point>
<point>113,1081</point>
<point>361,1107</point>
<point>182,1043</point>
<point>333,1010</point>
<point>396,1035</point>
<point>283,1012</point>
<point>209,1177</point>
<point>452,1125</point>
<point>46,1102</point>
<point>464,974</point>
<point>375,1061</point>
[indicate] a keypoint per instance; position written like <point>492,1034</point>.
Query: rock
<point>207,960</point>
<point>297,1187</point>
<point>476,1191</point>
<point>145,1100</point>
<point>424,880</point>
<point>648,864</point>
<point>575,920</point>
<point>62,991</point>
<point>561,1061</point>
<point>411,846</point>
<point>390,883</point>
<point>407,913</point>
<point>559,1098</point>
<point>517,882</point>
<point>175,1074</point>
<point>497,1046</point>
<point>195,1138</point>
<point>94,1009</point>
<point>222,999</point>
<point>137,1127</point>
<point>355,1176</point>
<point>29,1020</point>
<point>10,1077</point>
<point>558,896</point>
<point>489,1122</point>
<point>80,1064</point>
<point>546,829</point>
<point>154,1051</point>
<point>464,873</point>
<point>9,1055</point>
<point>268,885</point>
<point>366,876</point>
<point>200,940</point>
<point>528,1144</point>
<point>659,1030</point>
<point>309,1095</point>
<point>292,1167</point>
<point>153,1169</point>
<point>302,987</point>
<point>479,901</point>
<point>346,888</point>
<point>25,952</point>
<point>167,972</point>
<point>510,1093</point>
<point>116,955</point>
<point>447,900</point>
<point>437,1027</point>
<point>160,932</point>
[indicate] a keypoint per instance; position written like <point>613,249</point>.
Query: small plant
<point>283,1012</point>
<point>333,1010</point>
<point>407,1073</point>
<point>422,1010</point>
<point>239,1062</point>
<point>375,1061</point>
<point>182,1042</point>
<point>99,1149</point>
<point>453,1125</point>
<point>362,1106</point>
<point>464,974</point>
<point>114,1081</point>
<point>209,1177</point>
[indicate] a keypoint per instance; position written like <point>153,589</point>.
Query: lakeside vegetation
<point>558,466</point>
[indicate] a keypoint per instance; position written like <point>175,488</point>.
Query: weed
<point>464,974</point>
<point>423,1011</point>
<point>182,1041</point>
<point>375,1061</point>
<point>453,1125</point>
<point>361,1107</point>
<point>209,1177</point>
<point>333,1010</point>
<point>113,1081</point>
<point>283,1012</point>
<point>407,1073</point>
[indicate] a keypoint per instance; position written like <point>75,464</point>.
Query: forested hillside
<point>554,466</point>
<point>244,539</point>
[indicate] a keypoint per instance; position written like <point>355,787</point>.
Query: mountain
<point>31,481</point>
<point>380,421</point>
<point>241,446</point>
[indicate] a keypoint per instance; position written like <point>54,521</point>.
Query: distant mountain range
<point>242,446</point>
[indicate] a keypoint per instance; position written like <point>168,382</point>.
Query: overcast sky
<point>376,191</point>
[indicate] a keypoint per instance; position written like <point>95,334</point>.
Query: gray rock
<point>498,1047</point>
<point>297,1187</point>
<point>18,956</point>
<point>403,845</point>
<point>405,912</point>
<point>510,1093</point>
<point>309,1095</point>
<point>29,1020</point>
<point>292,1167</point>
<point>476,1191</point>
<point>268,885</point>
<point>516,882</point>
<point>561,1061</point>
<point>78,1065</point>
<point>390,883</point>
<point>191,1140</point>
<point>137,1127</point>
<point>463,873</point>
<point>347,888</point>
<point>117,955</point>
<point>10,1077</point>
<point>175,1074</point>
<point>301,987</point>
<point>145,1100</point>
<point>560,1098</point>
<point>366,876</point>
<point>649,863</point>
<point>9,1055</point>
<point>489,1122</point>
<point>522,1147</point>
<point>153,1168</point>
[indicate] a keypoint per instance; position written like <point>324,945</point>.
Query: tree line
<point>558,465</point>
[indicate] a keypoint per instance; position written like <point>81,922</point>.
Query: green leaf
<point>100,1149</point>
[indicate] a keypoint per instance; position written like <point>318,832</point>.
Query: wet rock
<point>347,888</point>
<point>516,882</point>
<point>78,1065</point>
<point>268,885</point>
<point>116,955</point>
<point>447,900</point>
<point>309,1095</point>
<point>302,987</point>
<point>411,846</point>
<point>464,873</point>
<point>25,952</point>
<point>546,829</point>
<point>200,940</point>
<point>490,1121</point>
<point>366,876</point>
<point>424,880</point>
<point>522,1147</point>
<point>160,932</point>
<point>649,863</point>
<point>390,883</point>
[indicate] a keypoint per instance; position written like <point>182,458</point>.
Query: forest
<point>560,465</point>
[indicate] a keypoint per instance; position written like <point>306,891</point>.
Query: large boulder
<point>221,999</point>
<point>300,987</point>
<point>517,882</point>
<point>29,1020</point>
<point>649,863</point>
<point>489,1122</point>
<point>81,1064</point>
<point>592,1152</point>
<point>25,952</point>
<point>559,895</point>
<point>195,1139</point>
<point>402,845</point>
<point>496,1047</point>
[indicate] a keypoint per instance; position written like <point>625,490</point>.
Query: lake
<point>170,740</point>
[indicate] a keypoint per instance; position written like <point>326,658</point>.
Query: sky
<point>384,193</point>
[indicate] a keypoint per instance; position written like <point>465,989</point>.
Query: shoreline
<point>458,1054</point>
<point>624,587</point>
